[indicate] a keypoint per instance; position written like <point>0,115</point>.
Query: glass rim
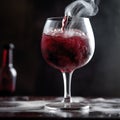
<point>61,17</point>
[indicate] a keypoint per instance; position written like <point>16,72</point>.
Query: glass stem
<point>67,77</point>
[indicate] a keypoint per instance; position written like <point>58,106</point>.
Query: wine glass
<point>67,47</point>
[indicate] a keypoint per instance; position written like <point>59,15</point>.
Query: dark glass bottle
<point>8,73</point>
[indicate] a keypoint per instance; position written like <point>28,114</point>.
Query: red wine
<point>65,50</point>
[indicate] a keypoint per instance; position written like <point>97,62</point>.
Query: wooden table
<point>33,107</point>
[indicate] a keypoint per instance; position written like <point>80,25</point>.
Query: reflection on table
<point>35,107</point>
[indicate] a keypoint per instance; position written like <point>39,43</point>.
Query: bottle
<point>8,73</point>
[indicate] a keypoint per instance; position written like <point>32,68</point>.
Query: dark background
<point>22,22</point>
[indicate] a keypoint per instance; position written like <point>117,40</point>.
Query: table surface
<point>34,107</point>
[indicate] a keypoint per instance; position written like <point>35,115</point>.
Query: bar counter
<point>34,107</point>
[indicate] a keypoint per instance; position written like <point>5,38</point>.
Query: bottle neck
<point>7,58</point>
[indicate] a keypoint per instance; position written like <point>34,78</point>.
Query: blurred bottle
<point>8,73</point>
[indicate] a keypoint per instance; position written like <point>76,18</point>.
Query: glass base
<point>68,106</point>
